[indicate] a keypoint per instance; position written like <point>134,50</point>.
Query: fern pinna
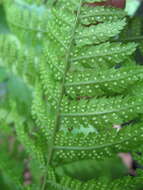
<point>84,78</point>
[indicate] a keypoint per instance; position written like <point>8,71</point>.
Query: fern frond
<point>64,56</point>
<point>72,90</point>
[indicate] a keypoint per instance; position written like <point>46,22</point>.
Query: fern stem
<point>51,150</point>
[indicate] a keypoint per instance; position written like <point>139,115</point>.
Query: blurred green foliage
<point>3,24</point>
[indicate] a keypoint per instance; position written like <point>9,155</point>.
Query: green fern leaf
<point>89,83</point>
<point>98,33</point>
<point>99,112</point>
<point>100,14</point>
<point>96,146</point>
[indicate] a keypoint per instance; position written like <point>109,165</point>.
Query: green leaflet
<point>103,56</point>
<point>99,111</point>
<point>90,82</point>
<point>70,148</point>
<point>95,15</point>
<point>98,33</point>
